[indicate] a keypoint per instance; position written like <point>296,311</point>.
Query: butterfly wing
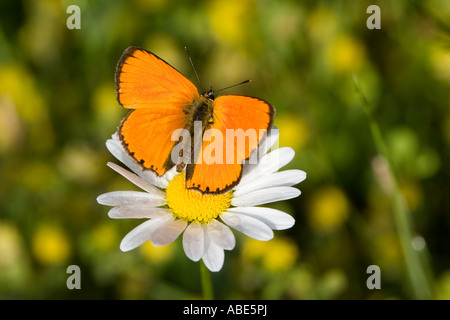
<point>147,136</point>
<point>160,95</point>
<point>144,80</point>
<point>242,122</point>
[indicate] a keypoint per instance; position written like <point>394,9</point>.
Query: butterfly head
<point>209,94</point>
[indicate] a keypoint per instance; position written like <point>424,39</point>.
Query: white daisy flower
<point>204,219</point>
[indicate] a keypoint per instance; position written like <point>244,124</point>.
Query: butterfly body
<point>201,109</point>
<point>173,125</point>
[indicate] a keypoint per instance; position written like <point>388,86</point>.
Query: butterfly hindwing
<point>242,122</point>
<point>148,138</point>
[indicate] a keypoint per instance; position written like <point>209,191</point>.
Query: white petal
<point>130,198</point>
<point>115,136</point>
<point>274,219</point>
<point>141,233</point>
<point>168,232</point>
<point>194,241</point>
<point>220,234</point>
<point>266,143</point>
<point>269,140</point>
<point>269,163</point>
<point>249,226</point>
<point>115,147</point>
<point>134,178</point>
<point>276,159</point>
<point>283,178</point>
<point>264,196</point>
<point>213,256</point>
<point>167,177</point>
<point>137,212</point>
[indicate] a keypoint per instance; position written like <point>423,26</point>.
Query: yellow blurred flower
<point>278,254</point>
<point>107,110</point>
<point>41,33</point>
<point>346,54</point>
<point>18,88</point>
<point>333,282</point>
<point>254,249</point>
<point>284,21</point>
<point>294,131</point>
<point>440,62</point>
<point>228,19</point>
<point>166,46</point>
<point>50,245</point>
<point>104,237</point>
<point>17,83</point>
<point>321,24</point>
<point>157,254</point>
<point>11,250</point>
<point>77,163</point>
<point>328,209</point>
<point>229,67</point>
<point>388,251</point>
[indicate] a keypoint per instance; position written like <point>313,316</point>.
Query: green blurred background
<point>58,107</point>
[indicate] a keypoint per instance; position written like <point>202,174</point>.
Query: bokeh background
<point>58,107</point>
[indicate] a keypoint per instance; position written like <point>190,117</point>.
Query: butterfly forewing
<point>159,94</point>
<point>144,80</point>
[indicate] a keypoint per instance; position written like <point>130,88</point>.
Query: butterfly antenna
<point>192,64</point>
<point>234,85</point>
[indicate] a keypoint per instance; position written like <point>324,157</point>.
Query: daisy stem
<point>207,287</point>
<point>417,263</point>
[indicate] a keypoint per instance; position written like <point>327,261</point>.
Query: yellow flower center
<point>192,205</point>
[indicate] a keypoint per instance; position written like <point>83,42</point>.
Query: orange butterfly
<point>164,101</point>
